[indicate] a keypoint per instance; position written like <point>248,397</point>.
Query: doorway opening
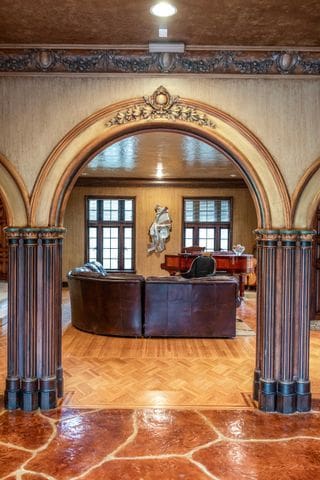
<point>171,372</point>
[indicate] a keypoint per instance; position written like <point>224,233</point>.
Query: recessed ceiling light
<point>233,175</point>
<point>163,32</point>
<point>163,9</point>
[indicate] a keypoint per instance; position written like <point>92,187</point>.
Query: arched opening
<point>199,121</point>
<point>283,253</point>
<point>190,169</point>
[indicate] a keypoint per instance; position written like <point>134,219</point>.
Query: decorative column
<point>283,298</point>
<point>302,320</point>
<point>34,318</point>
<point>265,384</point>
<point>286,399</point>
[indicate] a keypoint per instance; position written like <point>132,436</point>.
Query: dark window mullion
<point>121,247</point>
<point>100,243</point>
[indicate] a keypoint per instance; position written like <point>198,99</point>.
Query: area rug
<point>315,325</point>
<point>3,312</point>
<point>243,330</point>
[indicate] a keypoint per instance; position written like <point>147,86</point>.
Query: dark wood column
<point>281,378</point>
<point>265,377</point>
<point>34,318</point>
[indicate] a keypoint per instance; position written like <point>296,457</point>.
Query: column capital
<point>267,235</point>
<point>34,232</point>
<point>292,235</point>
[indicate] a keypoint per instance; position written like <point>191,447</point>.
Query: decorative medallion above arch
<point>160,111</point>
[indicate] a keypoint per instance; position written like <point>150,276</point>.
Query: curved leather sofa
<point>106,304</point>
<point>128,305</point>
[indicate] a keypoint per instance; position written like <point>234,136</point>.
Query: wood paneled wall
<point>244,221</point>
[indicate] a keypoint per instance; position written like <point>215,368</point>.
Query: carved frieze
<point>230,62</point>
<point>161,105</point>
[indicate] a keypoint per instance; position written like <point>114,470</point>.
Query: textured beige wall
<point>244,216</point>
<point>37,112</point>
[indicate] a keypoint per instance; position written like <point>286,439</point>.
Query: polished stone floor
<point>152,444</point>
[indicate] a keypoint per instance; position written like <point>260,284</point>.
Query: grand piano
<point>239,265</point>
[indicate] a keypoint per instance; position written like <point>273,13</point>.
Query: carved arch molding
<point>161,110</point>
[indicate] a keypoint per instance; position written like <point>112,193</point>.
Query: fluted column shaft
<point>282,361</point>
<point>34,292</point>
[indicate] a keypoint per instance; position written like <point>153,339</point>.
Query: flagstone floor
<point>152,444</point>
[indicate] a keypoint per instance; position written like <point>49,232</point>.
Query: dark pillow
<point>95,267</point>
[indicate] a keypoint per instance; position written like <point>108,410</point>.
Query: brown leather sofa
<point>194,307</point>
<point>106,304</point>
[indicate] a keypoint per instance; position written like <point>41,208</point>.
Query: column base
<point>267,395</point>
<point>286,398</point>
<point>303,396</point>
<point>12,394</point>
<point>30,394</point>
<point>48,393</point>
<point>60,383</point>
<point>256,384</point>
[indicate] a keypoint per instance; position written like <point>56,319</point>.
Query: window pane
<point>114,264</point>
<point>224,245</point>
<point>206,238</point>
<point>92,232</point>
<point>225,210</point>
<point>203,211</point>
<point>127,264</point>
<point>93,209</point>
<point>111,210</point>
<point>110,248</point>
<point>127,243</point>
<point>92,243</point>
<point>128,210</point>
<point>128,232</point>
<point>106,263</point>
<point>92,254</point>
<point>188,237</point>
<point>224,238</point>
<point>188,211</point>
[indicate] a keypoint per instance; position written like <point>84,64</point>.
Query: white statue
<point>160,229</point>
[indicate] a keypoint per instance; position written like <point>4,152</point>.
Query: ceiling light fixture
<point>163,9</point>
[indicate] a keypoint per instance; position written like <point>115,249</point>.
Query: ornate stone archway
<point>281,375</point>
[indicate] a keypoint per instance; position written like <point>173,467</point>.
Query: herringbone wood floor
<point>122,372</point>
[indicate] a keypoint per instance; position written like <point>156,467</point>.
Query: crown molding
<point>222,62</point>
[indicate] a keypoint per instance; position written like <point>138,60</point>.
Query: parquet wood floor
<point>123,372</point>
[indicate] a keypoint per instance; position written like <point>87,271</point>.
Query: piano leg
<point>242,278</point>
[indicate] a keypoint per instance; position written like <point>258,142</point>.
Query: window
<point>110,232</point>
<point>207,223</point>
